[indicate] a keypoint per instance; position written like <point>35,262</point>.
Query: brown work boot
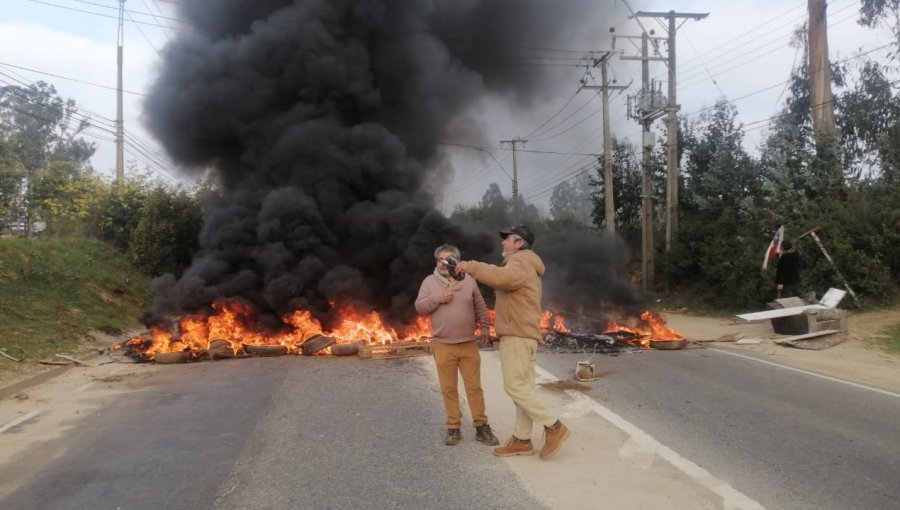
<point>453,437</point>
<point>554,435</point>
<point>515,446</point>
<point>484,434</point>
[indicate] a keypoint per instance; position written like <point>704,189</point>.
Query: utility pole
<point>820,71</point>
<point>648,267</point>
<point>120,129</point>
<point>608,197</point>
<point>515,177</point>
<point>644,107</point>
<point>672,125</point>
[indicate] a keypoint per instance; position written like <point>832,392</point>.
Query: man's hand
<point>462,267</point>
<point>447,296</point>
<point>485,338</point>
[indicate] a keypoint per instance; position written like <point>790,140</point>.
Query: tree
<point>165,237</point>
<point>40,128</point>
<point>11,175</point>
<point>571,201</point>
<point>63,196</point>
<point>116,211</point>
<point>873,13</point>
<point>626,191</point>
<point>718,172</point>
<point>867,117</point>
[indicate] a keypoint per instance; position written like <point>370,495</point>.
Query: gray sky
<point>741,51</point>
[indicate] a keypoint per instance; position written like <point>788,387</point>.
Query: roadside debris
<point>806,323</point>
<point>5,355</point>
<point>75,360</point>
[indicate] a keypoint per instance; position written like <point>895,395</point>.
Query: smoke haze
<point>319,120</point>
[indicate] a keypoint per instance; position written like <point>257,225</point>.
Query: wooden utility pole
<point>672,173</point>
<point>515,177</point>
<point>822,109</point>
<point>120,128</point>
<point>608,197</point>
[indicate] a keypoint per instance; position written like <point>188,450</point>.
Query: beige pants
<point>465,359</point>
<point>517,360</point>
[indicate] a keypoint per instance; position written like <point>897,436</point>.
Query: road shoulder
<point>604,464</point>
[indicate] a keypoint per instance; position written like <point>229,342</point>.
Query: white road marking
<point>20,419</point>
<point>807,372</point>
<point>732,498</point>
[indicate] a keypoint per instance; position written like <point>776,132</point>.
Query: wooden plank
<point>5,355</point>
<point>75,360</point>
<point>398,350</point>
<point>780,312</point>
<point>817,341</point>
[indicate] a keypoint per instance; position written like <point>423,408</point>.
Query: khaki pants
<point>517,360</point>
<point>464,359</point>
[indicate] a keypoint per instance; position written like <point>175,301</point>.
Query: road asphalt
<point>607,463</point>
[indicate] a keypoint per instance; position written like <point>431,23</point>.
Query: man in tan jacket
<point>517,285</point>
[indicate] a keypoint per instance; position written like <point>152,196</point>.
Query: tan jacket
<point>517,286</point>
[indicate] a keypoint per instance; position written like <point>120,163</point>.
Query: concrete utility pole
<point>822,109</point>
<point>515,177</point>
<point>644,107</point>
<point>647,258</point>
<point>672,126</point>
<point>120,128</point>
<point>608,197</point>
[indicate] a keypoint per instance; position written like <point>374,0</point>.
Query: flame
<point>236,322</point>
<point>550,321</point>
<point>553,321</point>
<point>652,328</point>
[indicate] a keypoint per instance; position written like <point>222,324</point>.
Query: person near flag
<point>787,271</point>
<point>774,249</point>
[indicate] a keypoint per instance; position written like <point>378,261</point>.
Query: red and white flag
<point>774,249</point>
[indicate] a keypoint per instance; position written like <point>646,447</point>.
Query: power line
<point>105,15</point>
<point>76,80</point>
<point>141,13</point>
<point>698,77</point>
<point>91,130</point>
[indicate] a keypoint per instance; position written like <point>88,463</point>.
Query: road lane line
<point>807,372</point>
<point>20,419</point>
<point>731,497</point>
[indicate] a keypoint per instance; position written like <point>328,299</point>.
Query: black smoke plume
<point>319,120</point>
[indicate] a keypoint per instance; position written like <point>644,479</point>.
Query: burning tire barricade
<point>649,331</point>
<point>137,348</point>
<point>231,333</point>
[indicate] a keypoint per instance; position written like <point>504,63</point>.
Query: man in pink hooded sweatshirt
<point>517,285</point>
<point>456,306</point>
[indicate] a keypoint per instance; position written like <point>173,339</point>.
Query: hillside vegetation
<point>54,294</point>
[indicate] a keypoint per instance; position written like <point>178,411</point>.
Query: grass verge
<point>890,338</point>
<point>55,293</point>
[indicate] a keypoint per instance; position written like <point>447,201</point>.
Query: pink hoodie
<point>453,322</point>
